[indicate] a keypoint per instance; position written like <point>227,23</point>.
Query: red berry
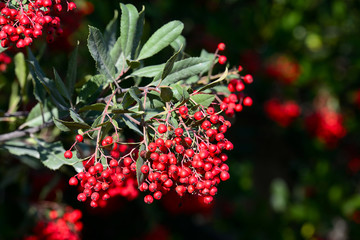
<point>208,199</point>
<point>105,197</point>
<point>224,175</point>
<point>68,154</point>
<point>148,199</point>
<point>93,204</point>
<point>183,110</point>
<point>113,163</point>
<point>73,181</point>
<point>162,128</point>
<point>71,6</point>
<point>198,115</point>
<point>221,46</point>
<point>222,59</point>
<point>248,79</point>
<point>108,140</point>
<point>145,169</point>
<point>179,132</point>
<point>247,101</point>
<point>79,138</point>
<point>81,197</point>
<point>157,195</point>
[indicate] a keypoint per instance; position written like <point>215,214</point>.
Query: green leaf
<point>203,99</point>
<point>179,43</point>
<point>127,101</point>
<point>121,111</point>
<point>94,107</point>
<point>61,86</point>
<point>161,39</point>
<point>180,92</point>
<point>91,89</point>
<point>140,177</point>
<point>131,125</point>
<point>72,71</point>
<point>133,63</point>
<point>134,92</point>
<point>61,124</point>
<point>184,69</point>
<point>20,69</point>
<point>129,18</point>
<point>153,101</point>
<point>154,113</point>
<point>111,31</point>
<point>166,94</point>
<point>138,33</point>
<point>149,71</point>
<point>19,148</point>
<point>52,155</point>
<point>76,117</point>
<point>35,117</point>
<point>98,51</point>
<point>169,65</point>
<point>214,83</point>
<point>39,91</point>
<point>47,83</point>
<point>118,57</point>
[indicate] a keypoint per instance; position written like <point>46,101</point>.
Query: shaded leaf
<point>111,31</point>
<point>72,71</point>
<point>94,107</point>
<point>20,69</point>
<point>98,51</point>
<point>61,124</point>
<point>169,65</point>
<point>166,94</point>
<point>35,117</point>
<point>132,125</point>
<point>61,86</point>
<point>140,177</point>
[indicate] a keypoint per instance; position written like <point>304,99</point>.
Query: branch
<point>22,133</point>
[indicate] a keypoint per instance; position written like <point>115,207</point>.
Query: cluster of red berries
<point>188,159</point>
<point>236,100</point>
<point>222,59</point>
<point>61,224</point>
<point>21,23</point>
<point>99,182</point>
<point>283,69</point>
<point>327,125</point>
<point>284,113</point>
<point>5,60</point>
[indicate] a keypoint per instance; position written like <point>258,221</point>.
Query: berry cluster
<point>5,60</point>
<point>282,113</point>
<point>222,59</point>
<point>57,224</point>
<point>236,100</point>
<point>283,69</point>
<point>99,182</point>
<point>327,126</point>
<point>23,22</point>
<point>189,158</point>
